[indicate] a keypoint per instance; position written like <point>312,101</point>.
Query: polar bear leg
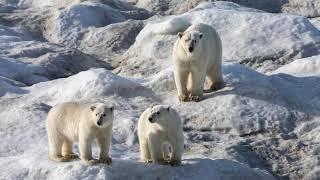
<point>55,145</point>
<point>155,146</point>
<point>215,76</point>
<point>177,150</point>
<point>85,150</point>
<point>181,76</point>
<point>103,142</point>
<point>67,150</point>
<point>145,152</point>
<point>197,83</point>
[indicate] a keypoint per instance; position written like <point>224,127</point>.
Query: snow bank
<point>31,61</point>
<point>83,86</point>
<point>30,109</point>
<point>250,105</point>
<point>262,40</point>
<point>68,25</point>
<point>301,67</point>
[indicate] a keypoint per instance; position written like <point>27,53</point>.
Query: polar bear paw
<point>175,162</point>
<point>194,98</point>
<point>217,86</point>
<point>71,156</point>
<point>183,98</point>
<point>59,158</point>
<point>91,162</point>
<point>107,161</point>
<point>147,160</point>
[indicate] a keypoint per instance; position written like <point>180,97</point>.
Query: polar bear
<point>197,53</point>
<point>159,131</point>
<point>75,122</point>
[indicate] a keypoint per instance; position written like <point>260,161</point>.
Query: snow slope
<point>261,40</point>
<point>260,126</point>
<point>27,143</point>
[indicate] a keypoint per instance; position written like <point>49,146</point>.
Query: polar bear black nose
<point>150,119</point>
<point>190,49</point>
<point>99,123</point>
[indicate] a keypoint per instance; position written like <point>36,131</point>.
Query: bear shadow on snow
<point>280,89</point>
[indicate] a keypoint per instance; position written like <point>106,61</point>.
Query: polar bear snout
<point>190,49</point>
<point>100,121</point>
<point>150,120</point>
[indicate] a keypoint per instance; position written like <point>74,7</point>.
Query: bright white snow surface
<point>261,40</point>
<point>259,126</point>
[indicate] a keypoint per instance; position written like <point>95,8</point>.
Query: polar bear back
<point>65,119</point>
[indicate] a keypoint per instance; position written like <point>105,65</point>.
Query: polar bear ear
<point>92,108</point>
<point>180,34</point>
<point>200,35</point>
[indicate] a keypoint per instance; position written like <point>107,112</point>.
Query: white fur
<point>191,68</point>
<point>154,137</point>
<point>74,122</point>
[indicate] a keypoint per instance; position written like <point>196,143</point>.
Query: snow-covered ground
<point>264,124</point>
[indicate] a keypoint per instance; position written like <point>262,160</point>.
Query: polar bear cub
<point>75,122</point>
<point>160,128</point>
<point>197,53</point>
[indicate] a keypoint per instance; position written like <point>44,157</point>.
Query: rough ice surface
<point>308,8</point>
<point>264,124</point>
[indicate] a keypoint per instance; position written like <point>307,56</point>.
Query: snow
<point>284,38</point>
<point>31,61</point>
<point>101,85</point>
<point>308,8</point>
<point>302,67</point>
<point>264,124</point>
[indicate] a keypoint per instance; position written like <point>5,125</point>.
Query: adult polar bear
<point>72,122</point>
<point>160,127</point>
<point>197,53</point>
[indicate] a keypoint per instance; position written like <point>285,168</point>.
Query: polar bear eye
<point>103,114</point>
<point>158,113</point>
<point>97,114</point>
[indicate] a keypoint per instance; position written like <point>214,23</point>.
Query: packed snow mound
<point>261,40</point>
<point>130,99</point>
<point>251,104</point>
<point>308,8</point>
<point>301,67</point>
<point>72,21</point>
<point>85,85</point>
<point>166,7</point>
<point>111,41</point>
<point>69,24</point>
<point>31,61</point>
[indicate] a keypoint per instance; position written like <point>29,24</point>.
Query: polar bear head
<point>102,115</point>
<point>190,41</point>
<point>159,114</point>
